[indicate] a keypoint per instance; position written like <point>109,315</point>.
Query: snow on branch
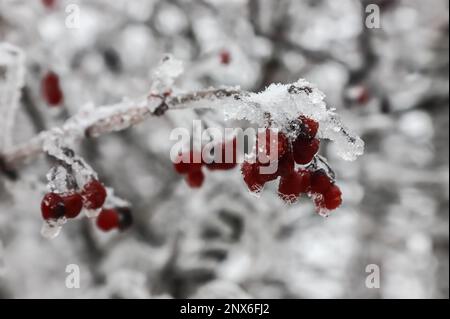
<point>279,102</point>
<point>12,73</point>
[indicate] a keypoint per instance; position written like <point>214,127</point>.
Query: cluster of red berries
<point>114,218</point>
<point>290,150</point>
<point>293,182</point>
<point>51,90</point>
<point>192,162</point>
<point>69,205</point>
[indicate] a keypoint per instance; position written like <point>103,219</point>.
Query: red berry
<point>228,158</point>
<point>195,179</point>
<point>273,141</point>
<point>225,57</point>
<point>108,219</point>
<point>286,164</point>
<point>250,172</point>
<point>51,90</point>
<point>320,182</point>
<point>94,194</point>
<point>52,206</point>
<point>332,197</point>
<point>308,126</point>
<point>73,204</point>
<point>188,162</point>
<point>319,202</point>
<point>363,96</point>
<point>291,186</point>
<point>305,149</point>
<point>49,3</point>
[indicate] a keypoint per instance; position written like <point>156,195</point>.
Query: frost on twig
<point>12,72</point>
<point>279,103</point>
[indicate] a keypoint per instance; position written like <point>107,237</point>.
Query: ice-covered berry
<point>304,149</point>
<point>332,197</point>
<point>51,90</point>
<point>52,206</point>
<point>269,141</point>
<point>320,182</point>
<point>94,194</point>
<point>286,164</point>
<point>294,184</point>
<point>73,203</point>
<point>108,219</point>
<point>252,177</point>
<point>195,179</point>
<point>308,126</point>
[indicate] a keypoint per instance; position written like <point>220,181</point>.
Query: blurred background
<point>390,84</point>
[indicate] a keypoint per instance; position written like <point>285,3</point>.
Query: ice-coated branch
<point>12,72</point>
<point>281,102</point>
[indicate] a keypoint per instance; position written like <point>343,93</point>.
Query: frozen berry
<point>308,126</point>
<point>195,179</point>
<point>225,57</point>
<point>332,197</point>
<point>250,172</point>
<point>320,182</point>
<point>52,206</point>
<point>188,162</point>
<point>292,185</point>
<point>73,204</point>
<point>125,217</point>
<point>51,90</point>
<point>108,219</point>
<point>286,164</point>
<point>271,141</point>
<point>228,154</point>
<point>305,149</point>
<point>94,194</point>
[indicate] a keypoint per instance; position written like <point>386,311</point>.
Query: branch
<point>117,117</point>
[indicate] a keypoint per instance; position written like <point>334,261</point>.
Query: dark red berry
<point>108,219</point>
<point>291,186</point>
<point>228,158</point>
<point>308,126</point>
<point>225,57</point>
<point>52,206</point>
<point>195,179</point>
<point>51,90</point>
<point>332,197</point>
<point>305,149</point>
<point>252,177</point>
<point>286,164</point>
<point>320,182</point>
<point>94,194</point>
<point>188,162</point>
<point>73,204</point>
<point>273,141</point>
